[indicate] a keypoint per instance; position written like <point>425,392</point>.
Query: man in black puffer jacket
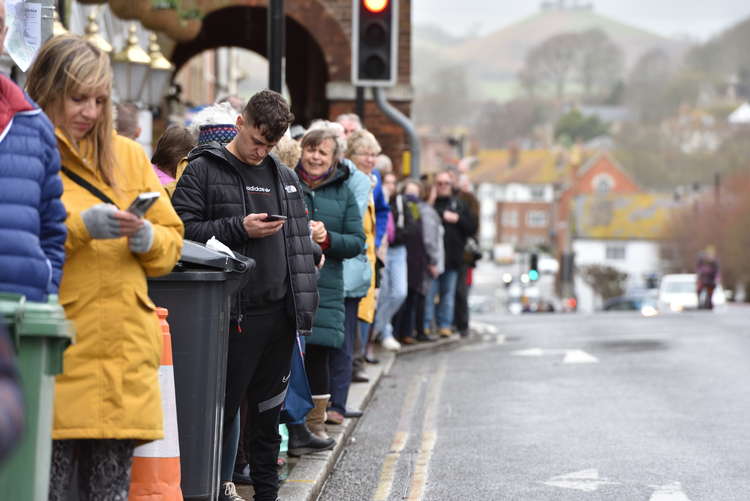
<point>229,193</point>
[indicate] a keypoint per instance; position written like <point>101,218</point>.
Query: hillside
<point>495,59</point>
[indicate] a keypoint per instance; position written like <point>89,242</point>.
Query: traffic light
<point>374,42</point>
<point>533,267</point>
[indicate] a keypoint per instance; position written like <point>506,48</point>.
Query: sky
<point>673,18</point>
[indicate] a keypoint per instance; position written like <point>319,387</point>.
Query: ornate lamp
<point>160,72</point>
<point>130,67</point>
<point>94,36</point>
<point>57,26</point>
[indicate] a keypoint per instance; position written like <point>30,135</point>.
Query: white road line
<point>670,492</point>
<point>584,480</point>
<point>579,357</point>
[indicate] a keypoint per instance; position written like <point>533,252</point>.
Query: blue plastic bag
<point>298,401</point>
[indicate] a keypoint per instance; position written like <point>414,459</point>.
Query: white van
<point>678,292</point>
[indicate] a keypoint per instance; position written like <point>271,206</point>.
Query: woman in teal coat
<point>336,225</point>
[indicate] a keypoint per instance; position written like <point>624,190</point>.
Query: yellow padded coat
<point>366,309</point>
<point>109,387</point>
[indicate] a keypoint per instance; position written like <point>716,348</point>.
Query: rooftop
<point>636,216</point>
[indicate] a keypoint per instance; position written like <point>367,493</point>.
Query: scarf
<point>313,181</point>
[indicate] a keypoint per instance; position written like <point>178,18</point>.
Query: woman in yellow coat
<point>107,397</point>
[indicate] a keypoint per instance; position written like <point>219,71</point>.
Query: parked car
<point>678,292</point>
<point>643,302</point>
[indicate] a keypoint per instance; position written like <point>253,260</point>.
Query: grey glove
<point>100,221</point>
<point>143,239</point>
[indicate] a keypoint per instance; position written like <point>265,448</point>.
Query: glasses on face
<point>443,183</point>
<point>366,154</point>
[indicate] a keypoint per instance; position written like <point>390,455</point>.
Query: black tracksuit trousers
<point>258,366</point>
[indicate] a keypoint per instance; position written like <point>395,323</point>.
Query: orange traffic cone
<point>156,465</point>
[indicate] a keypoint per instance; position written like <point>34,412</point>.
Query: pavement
<point>554,407</point>
<point>306,476</point>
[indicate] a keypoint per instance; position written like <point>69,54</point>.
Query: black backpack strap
<point>87,186</point>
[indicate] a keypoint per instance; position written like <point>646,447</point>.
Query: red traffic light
<point>376,5</point>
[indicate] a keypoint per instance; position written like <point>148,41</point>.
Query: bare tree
<point>590,59</point>
<point>553,62</point>
<point>601,63</point>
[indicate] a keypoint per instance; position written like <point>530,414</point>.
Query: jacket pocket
<point>145,301</point>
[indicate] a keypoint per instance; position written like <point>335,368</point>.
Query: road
<point>563,407</point>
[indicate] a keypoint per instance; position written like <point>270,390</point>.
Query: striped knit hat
<point>223,133</point>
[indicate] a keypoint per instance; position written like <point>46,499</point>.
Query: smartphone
<point>143,203</point>
<point>274,217</point>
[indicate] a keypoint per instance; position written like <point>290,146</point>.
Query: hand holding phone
<point>274,217</point>
<point>143,203</point>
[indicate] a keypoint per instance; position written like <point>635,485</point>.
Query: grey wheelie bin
<point>198,295</point>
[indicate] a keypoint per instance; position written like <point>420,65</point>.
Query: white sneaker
<point>391,344</point>
<point>229,492</point>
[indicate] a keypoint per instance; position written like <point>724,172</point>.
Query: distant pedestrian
<point>470,256</point>
<point>458,226</point>
<point>230,192</point>
<point>707,277</point>
<point>107,397</point>
<point>126,121</point>
<point>393,288</point>
<point>351,123</point>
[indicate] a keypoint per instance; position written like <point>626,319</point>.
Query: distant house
<point>517,193</point>
<point>598,174</point>
<point>621,231</point>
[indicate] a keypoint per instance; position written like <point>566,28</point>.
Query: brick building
<point>517,192</point>
<point>318,51</point>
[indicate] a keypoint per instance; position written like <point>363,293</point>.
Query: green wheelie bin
<point>40,334</point>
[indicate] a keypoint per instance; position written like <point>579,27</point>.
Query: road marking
<point>531,352</point>
<point>500,339</point>
<point>401,437</point>
<point>669,492</point>
<point>584,480</point>
<point>579,357</point>
<point>429,436</point>
<point>570,356</point>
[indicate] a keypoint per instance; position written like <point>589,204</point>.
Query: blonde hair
<point>289,151</point>
<point>66,65</point>
<point>361,139</point>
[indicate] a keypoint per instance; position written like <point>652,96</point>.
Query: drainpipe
<point>403,121</point>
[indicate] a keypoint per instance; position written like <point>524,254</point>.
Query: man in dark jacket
<point>458,226</point>
<point>461,310</point>
<point>229,193</point>
<point>32,217</point>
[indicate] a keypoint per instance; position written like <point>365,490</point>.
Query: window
<point>536,219</point>
<point>615,252</point>
<point>510,218</point>
<point>603,183</point>
<point>537,193</point>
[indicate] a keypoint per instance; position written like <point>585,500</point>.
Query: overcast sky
<point>696,18</point>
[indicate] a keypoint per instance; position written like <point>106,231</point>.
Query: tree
<point>590,59</point>
<point>600,64</point>
<point>445,101</point>
<point>606,281</point>
<point>647,85</point>
<point>499,124</point>
<point>574,126</point>
<point>553,62</point>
